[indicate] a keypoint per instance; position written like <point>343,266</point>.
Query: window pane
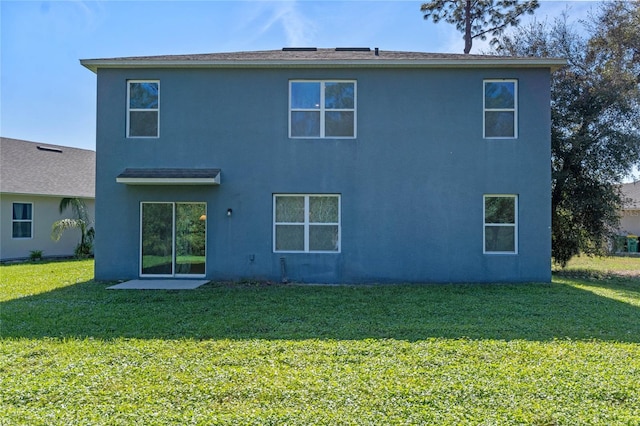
<point>499,94</point>
<point>305,123</point>
<point>143,123</point>
<point>323,238</point>
<point>143,95</point>
<point>323,209</point>
<point>290,209</point>
<point>21,229</point>
<point>499,124</point>
<point>500,238</point>
<point>21,211</point>
<point>289,237</point>
<point>305,95</point>
<point>157,238</point>
<point>339,123</point>
<point>190,238</point>
<point>339,95</point>
<point>500,210</point>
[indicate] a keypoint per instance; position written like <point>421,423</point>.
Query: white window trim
<point>514,109</point>
<point>21,221</point>
<point>322,110</point>
<point>485,224</point>
<point>306,223</point>
<point>130,110</point>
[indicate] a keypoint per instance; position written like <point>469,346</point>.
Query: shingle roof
<point>319,57</point>
<point>169,173</point>
<point>631,193</point>
<point>45,169</point>
<point>288,54</point>
<point>167,176</point>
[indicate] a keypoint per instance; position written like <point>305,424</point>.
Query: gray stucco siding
<point>411,183</point>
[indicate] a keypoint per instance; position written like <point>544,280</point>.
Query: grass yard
<point>562,353</point>
<point>607,265</point>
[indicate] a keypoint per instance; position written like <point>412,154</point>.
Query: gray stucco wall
<point>45,213</point>
<point>412,183</point>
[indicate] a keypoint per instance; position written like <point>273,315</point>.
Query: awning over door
<point>155,176</point>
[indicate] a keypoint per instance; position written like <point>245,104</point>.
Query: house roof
<point>631,193</point>
<point>45,169</point>
<point>323,58</point>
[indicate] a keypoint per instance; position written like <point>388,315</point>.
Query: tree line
<point>595,105</point>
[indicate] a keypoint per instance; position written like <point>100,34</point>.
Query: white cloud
<point>299,29</point>
<point>66,17</point>
<point>269,17</point>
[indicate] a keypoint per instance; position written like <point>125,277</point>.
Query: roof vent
<point>49,149</point>
<point>299,49</point>
<point>353,49</point>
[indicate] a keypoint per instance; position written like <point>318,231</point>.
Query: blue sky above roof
<point>47,96</point>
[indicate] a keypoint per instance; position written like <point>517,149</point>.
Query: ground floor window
<point>306,223</point>
<point>501,223</point>
<point>173,238</point>
<point>22,221</point>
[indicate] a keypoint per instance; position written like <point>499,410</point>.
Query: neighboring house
<point>34,177</point>
<point>630,215</point>
<point>324,165</point>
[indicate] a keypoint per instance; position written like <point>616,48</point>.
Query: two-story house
<point>339,165</point>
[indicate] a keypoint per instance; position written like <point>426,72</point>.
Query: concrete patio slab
<point>158,284</point>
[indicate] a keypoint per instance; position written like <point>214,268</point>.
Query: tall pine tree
<point>477,18</point>
<point>595,108</point>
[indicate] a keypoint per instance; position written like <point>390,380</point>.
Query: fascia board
<point>169,181</point>
<point>553,64</point>
<point>6,194</point>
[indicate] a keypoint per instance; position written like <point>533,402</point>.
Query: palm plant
<point>80,221</point>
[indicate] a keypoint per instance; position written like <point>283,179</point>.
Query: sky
<point>46,96</point>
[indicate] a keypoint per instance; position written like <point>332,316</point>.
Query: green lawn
<point>254,353</point>
<point>604,264</point>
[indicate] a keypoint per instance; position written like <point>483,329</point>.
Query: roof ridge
<point>297,52</point>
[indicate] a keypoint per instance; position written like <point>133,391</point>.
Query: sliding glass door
<point>173,239</point>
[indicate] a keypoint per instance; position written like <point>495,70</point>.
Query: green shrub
<point>35,255</point>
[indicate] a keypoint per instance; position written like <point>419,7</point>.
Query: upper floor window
<point>501,109</point>
<point>322,109</point>
<point>501,224</point>
<point>22,220</point>
<point>143,109</point>
<point>306,223</point>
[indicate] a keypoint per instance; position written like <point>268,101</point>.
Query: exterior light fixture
<point>229,212</point>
